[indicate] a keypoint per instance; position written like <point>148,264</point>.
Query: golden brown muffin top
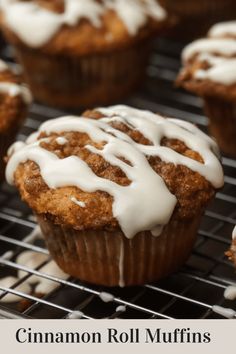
<point>82,27</point>
<point>14,98</point>
<point>81,208</point>
<point>210,64</point>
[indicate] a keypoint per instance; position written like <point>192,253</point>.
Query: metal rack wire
<point>191,292</point>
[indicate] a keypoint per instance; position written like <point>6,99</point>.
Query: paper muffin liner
<point>84,81</point>
<point>111,259</point>
<point>222,123</point>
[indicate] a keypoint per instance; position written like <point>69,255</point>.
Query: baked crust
<point>84,38</point>
<point>192,190</point>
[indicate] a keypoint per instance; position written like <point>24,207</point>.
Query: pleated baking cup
<point>222,123</point>
<point>84,81</point>
<point>110,259</point>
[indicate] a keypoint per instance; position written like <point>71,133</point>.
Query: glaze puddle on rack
<point>190,293</point>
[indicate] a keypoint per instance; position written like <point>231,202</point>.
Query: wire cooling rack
<point>191,292</point>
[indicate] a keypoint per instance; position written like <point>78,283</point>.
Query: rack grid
<point>188,294</point>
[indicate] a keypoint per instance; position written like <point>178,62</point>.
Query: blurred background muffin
<point>81,53</point>
<point>210,72</point>
<point>196,17</point>
<point>14,101</point>
<point>118,193</point>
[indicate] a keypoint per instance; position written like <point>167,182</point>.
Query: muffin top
<point>116,167</point>
<point>210,63</point>
<point>14,98</point>
<point>79,26</point>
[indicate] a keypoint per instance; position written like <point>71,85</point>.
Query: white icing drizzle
<point>121,308</point>
<point>7,255</point>
<point>78,202</point>
<point>224,72</point>
<point>224,47</point>
<point>14,147</point>
<point>218,52</point>
<point>230,292</point>
<point>75,315</point>
<point>61,140</point>
<point>223,311</point>
<point>234,233</point>
<point>13,89</point>
<point>136,206</point>
<point>134,13</point>
<point>9,281</point>
<point>223,29</point>
<point>106,297</point>
<point>32,260</point>
<point>36,25</point>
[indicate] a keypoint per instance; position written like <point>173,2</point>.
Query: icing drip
<point>223,311</point>
<point>126,10</point>
<point>223,29</point>
<point>7,282</point>
<point>78,202</point>
<point>106,297</point>
<point>230,292</point>
<point>35,25</point>
<point>234,233</point>
<point>13,89</point>
<point>32,260</point>
<point>61,141</point>
<point>7,255</point>
<point>136,206</point>
<point>224,72</point>
<point>224,47</point>
<point>75,315</point>
<point>219,53</point>
<point>121,308</point>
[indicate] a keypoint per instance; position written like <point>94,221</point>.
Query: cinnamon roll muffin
<point>14,101</point>
<point>118,192</point>
<point>81,53</point>
<point>210,72</point>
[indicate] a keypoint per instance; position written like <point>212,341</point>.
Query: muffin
<point>210,72</point>
<point>118,192</point>
<point>196,17</point>
<point>82,53</point>
<point>14,101</point>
